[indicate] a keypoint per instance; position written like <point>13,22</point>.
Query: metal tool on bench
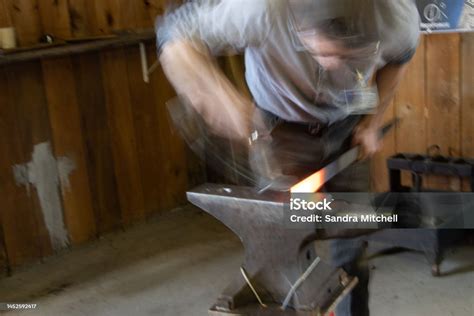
<point>282,273</point>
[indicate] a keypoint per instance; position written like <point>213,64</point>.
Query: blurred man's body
<point>308,62</point>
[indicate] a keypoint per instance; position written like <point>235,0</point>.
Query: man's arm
<point>189,37</point>
<point>366,133</point>
<point>195,76</point>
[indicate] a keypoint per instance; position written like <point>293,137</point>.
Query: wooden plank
<point>155,8</point>
<point>55,18</point>
<point>103,21</point>
<point>68,141</point>
<point>410,106</point>
<point>147,132</point>
<point>114,15</point>
<point>26,19</point>
<point>80,18</point>
<point>142,17</point>
<point>443,101</point>
<point>33,129</point>
<point>172,149</point>
<point>23,123</point>
<point>91,14</point>
<point>132,14</point>
<point>91,101</point>
<point>5,19</point>
<point>4,264</point>
<point>6,179</point>
<point>467,99</point>
<point>125,13</point>
<point>119,109</point>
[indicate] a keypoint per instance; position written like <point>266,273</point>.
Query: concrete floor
<point>176,265</point>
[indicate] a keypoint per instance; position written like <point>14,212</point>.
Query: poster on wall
<point>446,15</point>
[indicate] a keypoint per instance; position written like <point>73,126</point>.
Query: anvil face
<point>275,256</point>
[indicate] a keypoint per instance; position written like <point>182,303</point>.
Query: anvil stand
<point>281,273</point>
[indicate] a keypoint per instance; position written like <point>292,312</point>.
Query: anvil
<point>281,273</point>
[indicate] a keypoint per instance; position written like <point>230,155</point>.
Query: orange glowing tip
<point>311,184</point>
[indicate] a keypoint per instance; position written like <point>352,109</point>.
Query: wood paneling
<point>4,266</point>
<point>5,19</point>
<point>148,140</point>
<point>79,18</point>
<point>410,107</point>
<point>67,137</point>
<point>443,100</point>
<point>24,124</point>
<point>124,146</point>
<point>95,110</point>
<point>467,98</point>
<point>129,163</point>
<point>54,16</point>
<point>91,100</point>
<point>26,20</point>
<point>76,18</point>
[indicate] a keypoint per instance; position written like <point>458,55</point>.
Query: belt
<point>314,129</point>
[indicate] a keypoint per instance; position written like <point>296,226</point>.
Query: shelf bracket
<point>147,71</point>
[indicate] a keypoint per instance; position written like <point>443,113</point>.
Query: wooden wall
<point>116,158</point>
<point>436,104</point>
<point>85,144</point>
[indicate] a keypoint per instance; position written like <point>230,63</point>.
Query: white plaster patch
<point>44,173</point>
<point>65,167</point>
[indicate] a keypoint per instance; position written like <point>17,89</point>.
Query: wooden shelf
<point>62,49</point>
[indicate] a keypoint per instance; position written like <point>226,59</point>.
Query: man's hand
<point>367,135</point>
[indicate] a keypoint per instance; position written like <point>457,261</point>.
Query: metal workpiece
<point>281,273</point>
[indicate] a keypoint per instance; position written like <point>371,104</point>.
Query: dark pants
<point>300,150</point>
<point>348,254</point>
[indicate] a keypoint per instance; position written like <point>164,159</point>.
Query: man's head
<point>335,31</point>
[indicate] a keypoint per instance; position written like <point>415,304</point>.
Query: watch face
<point>438,15</point>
